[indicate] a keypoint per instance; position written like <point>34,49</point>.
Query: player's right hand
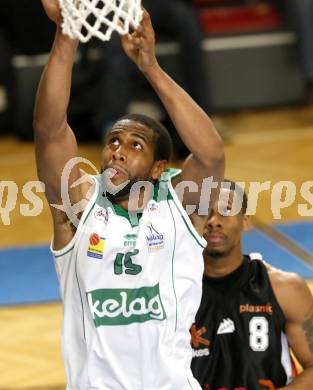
<point>53,11</point>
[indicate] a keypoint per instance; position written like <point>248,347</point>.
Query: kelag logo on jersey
<point>125,306</point>
<point>155,240</point>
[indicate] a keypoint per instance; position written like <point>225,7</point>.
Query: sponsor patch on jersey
<point>256,308</point>
<point>154,239</point>
<point>197,337</point>
<point>125,306</point>
<point>226,326</point>
<point>130,240</point>
<point>96,246</point>
<point>200,352</point>
<point>101,214</point>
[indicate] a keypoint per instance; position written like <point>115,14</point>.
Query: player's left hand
<point>140,45</point>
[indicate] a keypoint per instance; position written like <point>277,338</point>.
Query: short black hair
<point>232,186</point>
<point>162,140</point>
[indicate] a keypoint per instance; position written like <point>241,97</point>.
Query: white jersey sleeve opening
<point>70,245</point>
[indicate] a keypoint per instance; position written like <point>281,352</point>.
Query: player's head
<point>137,148</point>
<point>226,222</point>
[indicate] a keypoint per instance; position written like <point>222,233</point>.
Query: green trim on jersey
<point>174,248</point>
<point>189,384</point>
<point>173,173</point>
<point>161,192</point>
<point>65,253</point>
<point>188,227</point>
<point>91,208</point>
<point>80,225</point>
<point>81,299</point>
<point>123,213</point>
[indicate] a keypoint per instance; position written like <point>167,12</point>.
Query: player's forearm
<point>304,381</point>
<point>54,88</point>
<point>192,123</point>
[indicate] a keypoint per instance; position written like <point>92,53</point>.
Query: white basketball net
<point>84,19</point>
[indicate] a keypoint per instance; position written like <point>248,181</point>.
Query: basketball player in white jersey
<point>130,288</point>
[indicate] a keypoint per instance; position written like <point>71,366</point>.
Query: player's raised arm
<point>55,142</point>
<point>193,125</point>
<point>296,302</point>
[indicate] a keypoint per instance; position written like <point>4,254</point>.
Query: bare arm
<point>296,302</point>
<point>55,142</point>
<point>193,125</point>
<point>195,129</point>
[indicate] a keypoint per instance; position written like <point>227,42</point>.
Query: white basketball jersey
<point>130,295</point>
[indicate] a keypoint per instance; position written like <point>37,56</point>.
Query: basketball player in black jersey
<point>250,314</point>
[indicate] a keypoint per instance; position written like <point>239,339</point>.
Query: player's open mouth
<point>116,172</point>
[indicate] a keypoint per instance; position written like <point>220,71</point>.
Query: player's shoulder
<point>290,289</point>
<point>278,277</point>
<point>284,279</point>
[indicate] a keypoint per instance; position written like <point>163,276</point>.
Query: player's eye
<point>114,141</point>
<point>137,145</point>
<point>224,209</point>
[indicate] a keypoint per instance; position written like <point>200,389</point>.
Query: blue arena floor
<point>275,254</point>
<point>299,233</point>
<point>27,274</point>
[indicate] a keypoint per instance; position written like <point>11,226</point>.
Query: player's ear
<point>158,168</point>
<point>246,222</point>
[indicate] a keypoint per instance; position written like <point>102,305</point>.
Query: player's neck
<point>222,266</point>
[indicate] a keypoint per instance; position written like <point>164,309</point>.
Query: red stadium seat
<point>216,2</point>
<point>230,19</point>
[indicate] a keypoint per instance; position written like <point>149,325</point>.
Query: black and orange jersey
<point>238,338</point>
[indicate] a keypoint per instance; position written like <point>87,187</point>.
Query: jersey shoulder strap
<point>170,174</point>
<point>260,282</point>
